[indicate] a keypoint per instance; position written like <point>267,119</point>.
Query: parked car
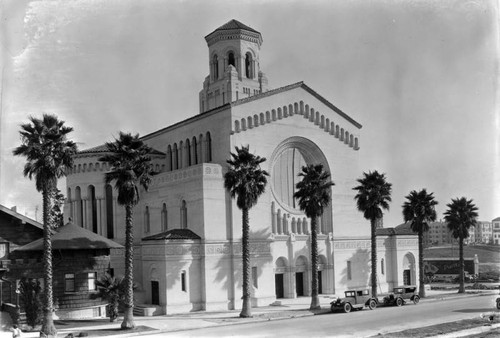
<point>354,299</point>
<point>401,294</point>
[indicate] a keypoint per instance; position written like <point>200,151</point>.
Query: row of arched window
<point>95,214</point>
<point>183,218</point>
<point>100,166</point>
<point>298,108</point>
<point>230,59</point>
<point>189,152</point>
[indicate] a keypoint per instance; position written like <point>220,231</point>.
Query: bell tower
<point>233,54</point>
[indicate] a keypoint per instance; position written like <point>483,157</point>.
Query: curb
<point>473,331</point>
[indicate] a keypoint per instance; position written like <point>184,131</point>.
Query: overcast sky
<point>420,76</point>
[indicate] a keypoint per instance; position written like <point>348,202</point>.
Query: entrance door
<point>278,282</point>
<point>155,292</point>
<point>406,277</point>
<point>320,282</point>
<point>299,283</point>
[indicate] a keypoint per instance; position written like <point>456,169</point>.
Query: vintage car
<point>401,294</point>
<point>354,299</point>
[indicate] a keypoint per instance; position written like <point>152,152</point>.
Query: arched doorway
<point>279,277</point>
<point>300,276</point>
<point>409,269</point>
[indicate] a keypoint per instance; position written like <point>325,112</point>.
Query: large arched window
<point>169,158</point>
<point>93,207</point>
<point>188,153</point>
<point>164,218</point>
<point>249,66</point>
<point>147,224</point>
<point>230,59</point>
<point>79,206</point>
<point>215,65</point>
<point>109,212</point>
<point>183,215</point>
<point>208,158</point>
<point>285,173</point>
<point>175,159</point>
<point>70,202</point>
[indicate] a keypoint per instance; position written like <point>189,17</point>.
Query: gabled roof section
<point>101,149</point>
<point>496,219</point>
<point>174,234</point>
<point>20,217</point>
<point>302,85</point>
<point>73,237</point>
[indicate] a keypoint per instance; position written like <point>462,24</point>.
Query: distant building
<point>438,234</point>
<point>496,230</point>
<point>483,232</point>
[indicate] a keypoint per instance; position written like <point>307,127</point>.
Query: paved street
<point>356,324</point>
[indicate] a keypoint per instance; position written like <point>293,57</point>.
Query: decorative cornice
<point>297,108</point>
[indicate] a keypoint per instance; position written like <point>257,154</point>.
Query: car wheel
<point>372,304</point>
<point>347,307</point>
<point>333,308</point>
<point>399,301</point>
<point>416,299</point>
<point>498,304</point>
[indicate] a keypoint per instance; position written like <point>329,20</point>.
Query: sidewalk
<point>289,308</point>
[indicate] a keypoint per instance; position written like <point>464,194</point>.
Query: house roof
<point>496,219</point>
<point>73,237</point>
<point>22,218</point>
<point>402,229</point>
<point>175,234</point>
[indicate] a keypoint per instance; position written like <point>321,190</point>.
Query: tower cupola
<point>233,51</point>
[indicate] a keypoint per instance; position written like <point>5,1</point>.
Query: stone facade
<point>289,126</point>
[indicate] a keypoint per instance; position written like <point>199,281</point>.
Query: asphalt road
<point>355,324</point>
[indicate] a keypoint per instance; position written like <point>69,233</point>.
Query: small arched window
<point>215,65</point>
<point>249,66</point>
<point>164,218</point>
<point>382,266</point>
<point>230,59</point>
<point>109,212</point>
<point>183,215</point>
<point>209,148</point>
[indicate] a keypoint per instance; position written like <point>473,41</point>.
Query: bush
<point>30,292</point>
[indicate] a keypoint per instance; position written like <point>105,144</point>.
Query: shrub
<point>30,293</point>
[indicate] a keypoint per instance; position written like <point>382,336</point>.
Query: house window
<point>255,277</point>
<point>69,282</point>
<point>4,250</point>
<point>349,273</point>
<point>382,266</point>
<point>183,281</point>
<point>92,276</point>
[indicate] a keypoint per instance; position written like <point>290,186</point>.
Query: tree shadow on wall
<point>360,270</point>
<point>230,267</point>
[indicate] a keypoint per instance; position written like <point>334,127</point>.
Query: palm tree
<point>374,194</point>
<point>111,289</point>
<point>246,181</point>
<point>313,194</point>
<point>419,211</point>
<point>460,216</point>
<point>130,168</point>
<point>48,154</point>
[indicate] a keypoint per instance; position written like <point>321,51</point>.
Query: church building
<point>188,229</point>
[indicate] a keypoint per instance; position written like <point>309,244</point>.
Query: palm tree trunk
<point>461,287</point>
<point>373,223</point>
<point>421,287</point>
<point>48,322</point>
<point>128,317</point>
<point>246,310</point>
<point>314,265</point>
